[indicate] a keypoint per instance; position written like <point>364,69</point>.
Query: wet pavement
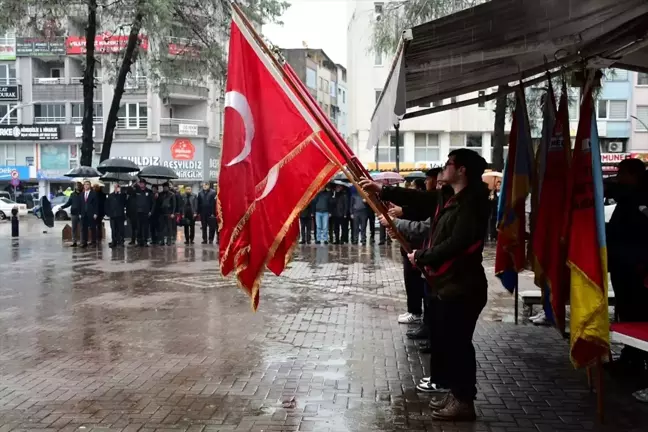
<point>155,340</point>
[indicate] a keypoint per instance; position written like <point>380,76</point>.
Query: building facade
<point>342,104</point>
<point>41,138</point>
<point>321,76</point>
<point>639,110</point>
<point>424,141</point>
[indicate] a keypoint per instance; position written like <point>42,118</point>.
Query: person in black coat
<point>101,210</point>
<point>177,211</point>
<point>89,214</point>
<point>115,207</point>
<point>75,202</point>
<point>306,222</point>
<point>131,212</point>
<point>143,205</point>
<point>339,210</point>
<point>189,211</point>
<point>154,219</point>
<point>207,210</point>
<point>167,208</point>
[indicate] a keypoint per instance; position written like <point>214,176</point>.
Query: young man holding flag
<point>452,255</point>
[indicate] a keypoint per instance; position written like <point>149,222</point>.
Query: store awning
<point>502,41</point>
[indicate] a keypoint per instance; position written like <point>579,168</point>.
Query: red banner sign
<point>104,44</point>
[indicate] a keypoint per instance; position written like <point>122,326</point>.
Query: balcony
<point>8,81</point>
<point>183,91</point>
<point>136,85</point>
<point>131,128</point>
<point>49,120</point>
<point>61,89</point>
<point>183,127</point>
<point>79,120</point>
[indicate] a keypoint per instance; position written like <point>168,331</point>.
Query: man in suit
<point>115,207</point>
<point>207,210</point>
<point>89,209</point>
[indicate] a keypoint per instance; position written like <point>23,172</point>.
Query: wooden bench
<point>532,298</point>
<point>634,334</point>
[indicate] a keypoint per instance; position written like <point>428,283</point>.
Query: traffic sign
<point>15,182</point>
<point>14,174</point>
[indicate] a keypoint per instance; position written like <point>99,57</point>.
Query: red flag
<point>549,245</point>
<point>275,158</point>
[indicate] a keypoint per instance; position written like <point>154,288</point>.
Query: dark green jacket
<point>457,235</point>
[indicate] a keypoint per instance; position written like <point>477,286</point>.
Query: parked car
<point>6,205</point>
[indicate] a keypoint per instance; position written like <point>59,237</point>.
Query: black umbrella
<point>46,212</point>
<point>83,171</point>
<point>155,181</point>
<point>415,175</point>
<point>157,172</point>
<point>117,177</point>
<point>118,165</point>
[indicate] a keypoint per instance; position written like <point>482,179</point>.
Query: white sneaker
<point>430,387</point>
<point>404,315</point>
<point>409,319</point>
<point>536,316</point>
<point>424,380</point>
<point>539,319</point>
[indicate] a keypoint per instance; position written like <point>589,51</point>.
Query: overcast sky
<point>319,23</point>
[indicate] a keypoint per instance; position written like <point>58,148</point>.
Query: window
<point>641,125</point>
<point>13,117</point>
<point>55,73</point>
<point>324,85</point>
<point>426,147</point>
<point>10,156</point>
<point>574,103</point>
<point>472,141</point>
<point>7,74</point>
<point>615,75</point>
<point>49,113</point>
<point>343,96</point>
<point>326,109</point>
<point>132,116</point>
<point>642,78</point>
<point>311,78</point>
<point>77,112</point>
<point>378,94</point>
<point>378,58</point>
<point>481,103</point>
<point>332,89</point>
<point>387,153</point>
<point>378,8</point>
<point>611,109</point>
<point>74,155</point>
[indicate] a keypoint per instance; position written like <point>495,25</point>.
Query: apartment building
<point>639,117</point>
<point>322,78</point>
<point>424,141</point>
<point>40,87</point>
<point>342,104</point>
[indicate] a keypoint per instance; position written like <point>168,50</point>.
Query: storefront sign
<point>36,132</point>
<point>8,50</point>
<point>39,47</point>
<point>613,157</point>
<point>54,161</point>
<point>78,131</point>
<point>104,44</point>
<point>214,167</point>
<point>11,93</point>
<point>182,149</point>
<point>186,169</point>
<point>14,172</point>
<point>188,129</point>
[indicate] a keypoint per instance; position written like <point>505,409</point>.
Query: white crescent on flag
<point>239,103</point>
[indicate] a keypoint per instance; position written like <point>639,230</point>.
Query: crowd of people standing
<point>151,214</point>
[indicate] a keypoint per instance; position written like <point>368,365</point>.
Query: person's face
<point>154,189</point>
<point>206,186</point>
<point>165,188</point>
<point>338,188</point>
<point>142,185</point>
<point>430,183</point>
<point>440,184</point>
<point>411,185</point>
<point>78,187</point>
<point>117,188</point>
<point>188,190</point>
<point>86,186</point>
<point>498,186</point>
<point>451,174</point>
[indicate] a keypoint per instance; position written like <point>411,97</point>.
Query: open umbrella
<point>415,175</point>
<point>46,212</point>
<point>157,172</point>
<point>118,165</point>
<point>154,181</point>
<point>342,183</point>
<point>388,177</point>
<point>83,171</point>
<point>117,177</point>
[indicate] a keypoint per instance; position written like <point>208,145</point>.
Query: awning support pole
<point>397,128</point>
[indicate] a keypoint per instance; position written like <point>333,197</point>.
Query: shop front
<point>14,179</point>
<point>53,161</point>
<point>186,156</point>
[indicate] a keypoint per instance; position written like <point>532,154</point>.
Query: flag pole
<point>355,171</point>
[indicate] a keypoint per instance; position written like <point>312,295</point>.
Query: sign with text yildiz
<point>186,169</point>
<point>14,172</point>
<point>31,132</point>
<point>106,43</point>
<point>8,49</point>
<point>39,47</point>
<point>11,93</point>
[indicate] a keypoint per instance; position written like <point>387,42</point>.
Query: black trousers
<point>452,363</point>
<point>305,229</point>
<point>384,238</point>
<point>189,228</point>
<point>359,227</point>
<point>117,228</point>
<point>99,228</point>
<point>208,223</point>
<point>337,228</point>
<point>413,287</point>
<point>133,222</point>
<point>142,228</point>
<point>372,225</point>
<point>89,224</point>
<point>346,221</point>
<point>166,228</point>
<point>154,227</point>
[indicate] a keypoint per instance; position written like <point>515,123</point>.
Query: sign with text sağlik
<point>11,93</point>
<point>9,172</point>
<point>39,47</point>
<point>29,132</point>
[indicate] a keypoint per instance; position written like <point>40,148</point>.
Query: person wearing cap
<point>115,208</point>
<point>143,204</point>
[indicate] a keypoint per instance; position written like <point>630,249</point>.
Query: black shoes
<point>418,333</point>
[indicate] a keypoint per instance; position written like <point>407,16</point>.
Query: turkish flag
<point>274,160</point>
